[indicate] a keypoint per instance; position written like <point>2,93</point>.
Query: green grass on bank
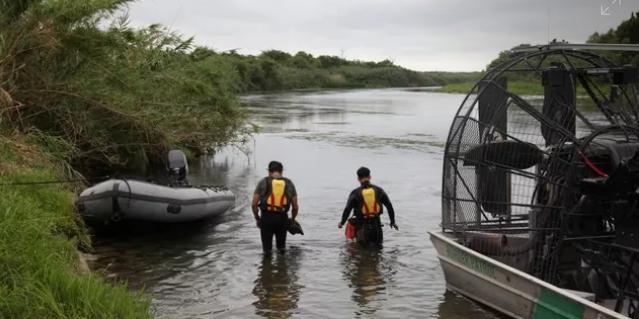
<point>39,235</point>
<point>463,87</point>
<point>519,87</point>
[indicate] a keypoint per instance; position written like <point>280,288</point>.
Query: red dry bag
<point>351,229</point>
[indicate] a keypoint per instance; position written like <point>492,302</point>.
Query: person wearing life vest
<point>367,203</point>
<point>274,196</point>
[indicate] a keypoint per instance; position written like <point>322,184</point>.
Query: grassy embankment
<point>39,233</point>
<point>518,87</point>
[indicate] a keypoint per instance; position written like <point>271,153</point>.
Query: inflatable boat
<point>118,199</point>
<point>115,200</point>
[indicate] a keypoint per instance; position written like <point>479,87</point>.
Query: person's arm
<point>350,204</point>
<point>384,199</point>
<point>294,208</point>
<point>254,203</point>
<point>259,189</point>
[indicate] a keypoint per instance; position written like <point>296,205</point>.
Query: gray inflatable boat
<point>118,199</point>
<point>127,199</point>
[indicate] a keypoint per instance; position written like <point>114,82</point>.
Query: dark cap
<point>275,166</point>
<point>363,172</point>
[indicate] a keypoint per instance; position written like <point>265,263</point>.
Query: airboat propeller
<point>557,173</point>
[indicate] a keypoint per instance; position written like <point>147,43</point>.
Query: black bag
<point>294,227</point>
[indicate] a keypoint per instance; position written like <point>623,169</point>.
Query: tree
<point>627,32</point>
<point>276,55</point>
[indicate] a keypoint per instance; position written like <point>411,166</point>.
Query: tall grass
<point>118,97</point>
<point>39,235</point>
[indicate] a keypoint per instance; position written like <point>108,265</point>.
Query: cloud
<point>422,35</point>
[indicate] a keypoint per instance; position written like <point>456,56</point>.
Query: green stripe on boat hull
<point>508,290</point>
<point>552,305</point>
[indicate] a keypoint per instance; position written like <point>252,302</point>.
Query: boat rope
<point>57,181</point>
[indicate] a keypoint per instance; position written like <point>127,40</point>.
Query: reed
<point>118,97</point>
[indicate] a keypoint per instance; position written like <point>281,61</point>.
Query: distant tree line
<point>274,70</point>
<point>627,32</point>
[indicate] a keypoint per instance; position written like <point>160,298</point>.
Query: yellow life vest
<point>370,206</point>
<point>276,201</point>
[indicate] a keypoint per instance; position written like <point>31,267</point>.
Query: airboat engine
<point>178,166</point>
<point>550,185</point>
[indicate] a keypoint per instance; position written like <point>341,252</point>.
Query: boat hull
<point>508,290</point>
<point>117,199</point>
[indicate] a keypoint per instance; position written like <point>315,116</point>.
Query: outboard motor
<point>178,167</point>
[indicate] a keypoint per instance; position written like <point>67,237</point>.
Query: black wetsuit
<point>274,223</point>
<point>369,230</point>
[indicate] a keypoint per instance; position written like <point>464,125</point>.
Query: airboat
<point>540,197</point>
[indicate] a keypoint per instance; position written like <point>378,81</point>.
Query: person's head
<point>363,175</point>
<point>275,167</point>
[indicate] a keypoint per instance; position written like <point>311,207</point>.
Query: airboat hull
<point>508,290</point>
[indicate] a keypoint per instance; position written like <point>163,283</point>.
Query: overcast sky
<point>451,35</point>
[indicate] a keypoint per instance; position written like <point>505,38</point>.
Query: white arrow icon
<point>604,12</point>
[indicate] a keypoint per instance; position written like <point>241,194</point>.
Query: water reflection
<point>158,251</point>
<point>366,270</point>
<point>454,306</point>
<point>215,270</point>
<point>276,287</point>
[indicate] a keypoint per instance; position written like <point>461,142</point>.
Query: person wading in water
<point>274,195</point>
<point>366,201</point>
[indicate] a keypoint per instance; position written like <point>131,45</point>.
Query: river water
<point>216,269</point>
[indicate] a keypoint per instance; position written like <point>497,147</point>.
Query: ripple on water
<point>216,269</point>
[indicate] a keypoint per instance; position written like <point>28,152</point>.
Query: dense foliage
<point>112,96</point>
<point>627,32</point>
<point>278,70</point>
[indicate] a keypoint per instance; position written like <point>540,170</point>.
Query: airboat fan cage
<point>491,177</point>
<point>548,183</point>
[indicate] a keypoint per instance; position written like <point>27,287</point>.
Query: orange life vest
<point>370,205</point>
<point>276,200</point>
